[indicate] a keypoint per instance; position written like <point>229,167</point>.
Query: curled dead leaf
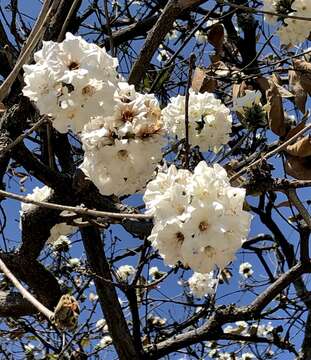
<point>301,148</point>
<point>201,82</point>
<point>297,89</point>
<point>303,70</point>
<point>216,36</point>
<point>275,112</point>
<point>298,167</point>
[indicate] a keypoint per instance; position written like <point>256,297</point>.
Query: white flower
<point>105,341</point>
<point>93,297</point>
<point>42,194</point>
<point>29,348</point>
<point>155,273</point>
<point>38,194</point>
<point>156,321</point>
<point>246,270</point>
<point>201,36</point>
<point>101,325</point>
<point>123,167</point>
<point>247,356</point>
<point>163,55</point>
<point>201,284</point>
<point>247,101</point>
<point>74,262</point>
<point>63,242</point>
<point>124,272</point>
<point>196,216</point>
<point>209,120</point>
<point>168,239</point>
<point>72,81</point>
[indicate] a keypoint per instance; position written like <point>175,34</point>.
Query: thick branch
<point>108,298</point>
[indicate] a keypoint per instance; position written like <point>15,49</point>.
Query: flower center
<point>123,154</point>
<point>203,226</point>
<point>180,237</point>
<point>127,115</point>
<point>73,66</point>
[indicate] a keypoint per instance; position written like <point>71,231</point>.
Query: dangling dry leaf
<point>275,113</point>
<point>263,84</point>
<point>201,82</point>
<point>216,36</point>
<point>298,167</point>
<point>297,90</point>
<point>303,70</point>
<point>301,148</point>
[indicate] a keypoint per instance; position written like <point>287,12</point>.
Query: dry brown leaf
<point>301,148</point>
<point>297,90</point>
<point>2,107</point>
<point>303,69</point>
<point>299,168</point>
<point>216,36</point>
<point>263,84</point>
<point>275,113</point>
<point>201,82</point>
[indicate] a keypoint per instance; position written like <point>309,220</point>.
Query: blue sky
<point>227,294</point>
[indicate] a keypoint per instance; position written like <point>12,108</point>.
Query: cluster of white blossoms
<point>71,81</point>
<point>42,194</point>
<point>202,284</point>
<point>209,120</point>
<point>199,218</point>
<point>123,150</point>
<point>293,31</point>
<point>245,329</point>
<point>215,354</point>
<point>125,272</point>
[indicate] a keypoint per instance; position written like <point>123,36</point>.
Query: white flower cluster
<point>202,284</point>
<point>209,120</point>
<point>71,81</point>
<point>293,31</point>
<point>243,328</point>
<point>42,194</point>
<point>198,217</point>
<point>215,354</point>
<point>125,272</point>
<point>123,150</point>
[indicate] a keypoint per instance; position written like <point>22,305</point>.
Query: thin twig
<point>187,146</point>
<point>23,136</point>
<point>65,25</point>
<point>254,11</point>
<point>292,196</point>
<point>271,153</point>
<point>78,210</point>
<point>40,307</point>
<point>31,43</point>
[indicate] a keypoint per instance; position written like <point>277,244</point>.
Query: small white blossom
<point>201,284</point>
<point>74,262</point>
<point>104,342</point>
<point>246,270</point>
<point>124,272</point>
